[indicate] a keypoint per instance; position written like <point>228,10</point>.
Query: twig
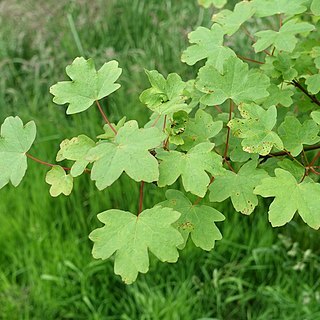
<point>312,97</point>
<point>105,118</point>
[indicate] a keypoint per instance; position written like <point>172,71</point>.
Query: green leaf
<point>239,187</point>
<point>177,127</point>
<point>216,3</point>
<point>285,39</point>
<point>129,152</point>
<point>165,95</point>
<point>315,53</point>
<point>208,44</point>
<point>316,116</point>
<point>231,21</point>
<point>294,167</point>
<point>87,85</point>
<point>256,129</point>
<point>266,8</point>
<point>192,167</point>
<point>278,96</point>
<point>196,221</point>
<point>60,181</point>
<point>108,132</point>
<point>315,7</point>
<point>130,237</point>
<point>200,129</point>
<point>313,83</point>
<point>15,140</point>
<point>290,197</point>
<point>294,134</point>
<point>76,150</point>
<point>236,83</point>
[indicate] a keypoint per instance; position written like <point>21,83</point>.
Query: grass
<point>46,268</point>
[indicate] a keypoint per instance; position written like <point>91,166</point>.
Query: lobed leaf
<point>60,181</point>
<point>130,237</point>
<point>15,141</point>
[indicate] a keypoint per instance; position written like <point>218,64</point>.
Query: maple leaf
<point>165,95</point>
<point>313,83</point>
<point>76,149</point>
<point>130,237</point>
<point>285,39</point>
<point>316,116</point>
<point>87,85</point>
<point>256,129</point>
<point>216,3</point>
<point>278,96</point>
<point>15,140</point>
<point>266,8</point>
<point>294,134</point>
<point>239,187</point>
<point>60,181</point>
<point>207,44</point>
<point>129,152</point>
<point>196,221</point>
<point>290,197</point>
<point>200,129</point>
<point>192,167</point>
<point>236,83</point>
<point>315,7</point>
<point>232,20</point>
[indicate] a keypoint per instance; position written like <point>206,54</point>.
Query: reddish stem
<point>105,118</point>
<point>50,164</point>
<point>313,161</point>
<point>248,59</point>
<point>141,198</point>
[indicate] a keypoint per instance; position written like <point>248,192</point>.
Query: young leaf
<point>15,140</point>
<point>278,96</point>
<point>285,39</point>
<point>266,8</point>
<point>207,44</point>
<point>239,187</point>
<point>200,129</point>
<point>192,167</point>
<point>216,3</point>
<point>108,132</point>
<point>128,152</point>
<point>313,83</point>
<point>130,237</point>
<point>76,149</point>
<point>291,196</point>
<point>231,21</point>
<point>60,181</point>
<point>316,116</point>
<point>165,95</point>
<point>236,83</point>
<point>315,7</point>
<point>195,220</point>
<point>256,129</point>
<point>294,134</point>
<point>87,85</point>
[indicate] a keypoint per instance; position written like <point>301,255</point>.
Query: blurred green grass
<point>46,269</point>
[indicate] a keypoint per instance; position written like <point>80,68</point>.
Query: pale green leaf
<point>285,39</point>
<point>294,134</point>
<point>87,85</point>
<point>207,44</point>
<point>315,7</point>
<point>60,181</point>
<point>129,152</point>
<point>165,95</point>
<point>313,83</point>
<point>278,96</point>
<point>239,187</point>
<point>15,140</point>
<point>316,116</point>
<point>76,150</point>
<point>294,167</point>
<point>200,129</point>
<point>130,237</point>
<point>108,132</point>
<point>266,8</point>
<point>216,3</point>
<point>192,167</point>
<point>256,129</point>
<point>237,83</point>
<point>290,197</point>
<point>196,221</point>
<point>231,21</point>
